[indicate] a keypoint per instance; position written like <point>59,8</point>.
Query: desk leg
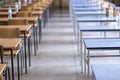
<point>60,5</point>
<point>12,65</point>
<point>40,30</point>
<point>81,51</point>
<point>76,30</point>
<point>34,41</point>
<point>78,42</point>
<point>77,38</point>
<point>25,53</point>
<point>36,37</point>
<point>74,25</point>
<point>104,34</point>
<point>119,34</point>
<point>48,13</point>
<point>29,53</point>
<point>88,64</point>
<point>84,63</point>
<point>44,18</point>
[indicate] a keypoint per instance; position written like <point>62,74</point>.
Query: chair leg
<point>36,38</point>
<point>40,30</point>
<point>8,73</point>
<point>29,53</point>
<point>21,59</point>
<point>34,42</point>
<point>18,66</point>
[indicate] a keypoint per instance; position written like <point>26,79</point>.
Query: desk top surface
<point>99,28</point>
<point>82,2</point>
<point>86,9</point>
<point>112,43</point>
<point>85,5</point>
<point>106,71</point>
<point>9,43</point>
<point>100,19</point>
<point>89,12</point>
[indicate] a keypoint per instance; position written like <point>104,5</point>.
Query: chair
<point>107,12</point>
<point>24,35</point>
<point>12,33</point>
<point>23,14</point>
<point>17,21</point>
<point>26,8</point>
<point>9,32</point>
<point>4,68</point>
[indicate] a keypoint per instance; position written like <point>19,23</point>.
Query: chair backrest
<point>17,21</point>
<point>9,32</point>
<point>26,8</point>
<point>1,53</point>
<point>107,12</point>
<point>23,14</point>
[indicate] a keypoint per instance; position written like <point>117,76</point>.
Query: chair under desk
<point>10,44</point>
<point>24,29</point>
<point>97,45</point>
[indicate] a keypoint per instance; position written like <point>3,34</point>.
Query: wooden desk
<point>10,44</point>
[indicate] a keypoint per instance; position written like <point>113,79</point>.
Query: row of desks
<point>93,44</point>
<point>24,28</point>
